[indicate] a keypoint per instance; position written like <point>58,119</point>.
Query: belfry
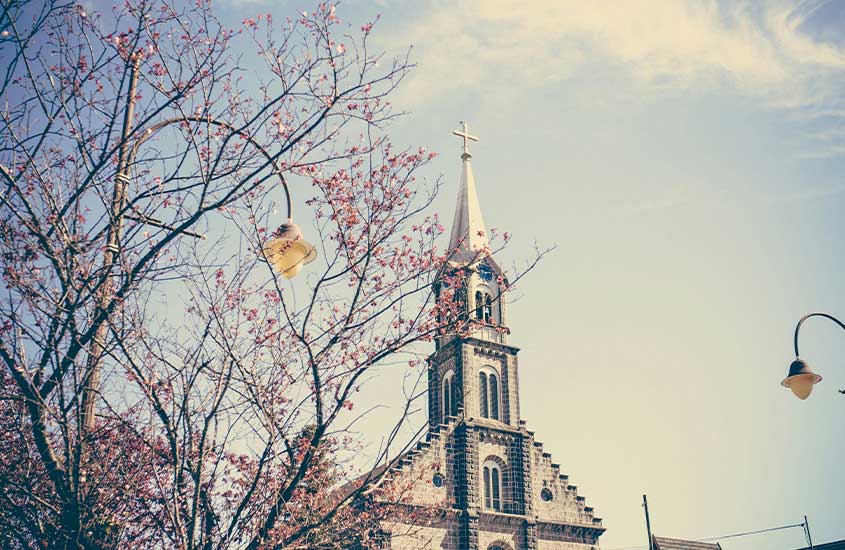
<point>479,479</point>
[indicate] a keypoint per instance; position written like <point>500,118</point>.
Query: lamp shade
<point>288,251</point>
<point>801,379</point>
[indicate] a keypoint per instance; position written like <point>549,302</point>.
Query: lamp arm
<point>815,314</point>
<point>148,133</point>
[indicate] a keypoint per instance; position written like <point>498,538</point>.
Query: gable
<point>554,499</point>
<point>425,474</point>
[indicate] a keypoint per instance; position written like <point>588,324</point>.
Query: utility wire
<point>746,533</point>
<point>751,532</point>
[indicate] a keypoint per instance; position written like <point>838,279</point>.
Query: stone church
<point>480,479</point>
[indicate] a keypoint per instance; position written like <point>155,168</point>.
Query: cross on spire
<point>466,136</point>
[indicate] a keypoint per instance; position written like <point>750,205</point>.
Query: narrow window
<point>494,397</point>
<point>497,502</point>
<point>487,501</point>
<point>482,393</point>
<point>493,480</point>
<point>453,391</point>
<point>461,300</point>
<point>488,309</point>
<point>447,396</point>
<point>479,305</point>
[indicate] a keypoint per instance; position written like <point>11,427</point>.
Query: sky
<point>686,160</point>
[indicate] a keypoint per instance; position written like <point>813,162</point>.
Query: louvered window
<point>483,394</point>
<point>494,396</point>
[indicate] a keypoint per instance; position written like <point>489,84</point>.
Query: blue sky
<point>686,159</point>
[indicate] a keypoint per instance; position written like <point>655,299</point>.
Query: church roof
<point>469,236</point>
<point>663,543</point>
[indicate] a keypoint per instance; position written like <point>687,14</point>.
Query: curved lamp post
<point>801,378</point>
<point>287,251</point>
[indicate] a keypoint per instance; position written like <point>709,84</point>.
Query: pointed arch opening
<point>479,305</point>
<point>488,309</point>
<point>492,481</point>
<point>489,394</point>
<point>483,307</point>
<point>448,396</point>
<point>483,395</point>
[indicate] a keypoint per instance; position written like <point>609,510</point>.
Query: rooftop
<point>662,543</point>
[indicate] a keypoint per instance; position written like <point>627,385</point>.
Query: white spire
<point>469,236</point>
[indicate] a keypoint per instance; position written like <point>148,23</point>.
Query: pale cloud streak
<point>754,50</point>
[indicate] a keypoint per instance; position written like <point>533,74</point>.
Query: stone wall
<point>565,505</point>
<point>416,471</point>
<point>507,538</point>
<point>423,537</point>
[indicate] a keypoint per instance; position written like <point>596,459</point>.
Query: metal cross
<point>466,136</point>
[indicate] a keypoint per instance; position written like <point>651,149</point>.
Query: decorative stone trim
<point>489,518</point>
<point>487,352</point>
<point>491,347</point>
<point>499,437</point>
<point>493,426</point>
<point>569,532</point>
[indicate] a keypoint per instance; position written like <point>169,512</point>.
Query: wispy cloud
<point>770,51</point>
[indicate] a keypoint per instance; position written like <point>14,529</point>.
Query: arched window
<point>450,402</point>
<point>461,301</point>
<point>483,394</point>
<point>488,395</point>
<point>488,309</point>
<point>492,477</point>
<point>494,396</point>
<point>479,305</point>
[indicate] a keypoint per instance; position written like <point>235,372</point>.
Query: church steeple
<point>469,252</point>
<point>469,236</point>
<point>483,384</point>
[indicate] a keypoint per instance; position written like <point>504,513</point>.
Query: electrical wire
<point>751,532</point>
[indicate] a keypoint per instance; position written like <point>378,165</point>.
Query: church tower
<point>482,386</point>
<point>480,480</point>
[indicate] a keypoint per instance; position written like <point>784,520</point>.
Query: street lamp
<point>801,378</point>
<point>287,251</point>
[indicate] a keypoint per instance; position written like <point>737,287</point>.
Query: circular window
<point>546,495</point>
<point>437,480</point>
